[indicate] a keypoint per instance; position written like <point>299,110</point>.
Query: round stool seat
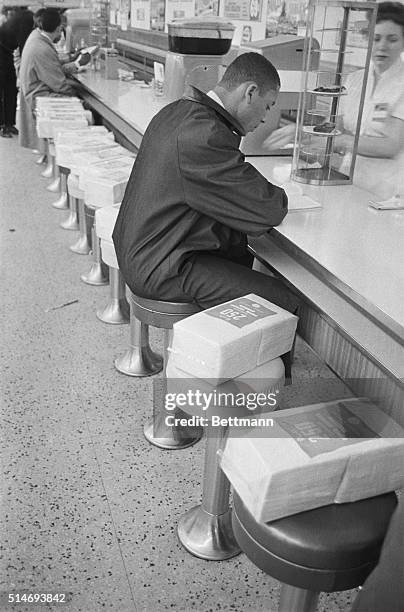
<point>159,313</point>
<point>73,187</point>
<point>332,548</point>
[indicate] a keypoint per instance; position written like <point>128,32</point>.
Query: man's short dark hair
<point>391,11</point>
<point>251,67</point>
<point>50,20</point>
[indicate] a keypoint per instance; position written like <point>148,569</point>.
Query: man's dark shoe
<point>5,133</point>
<point>12,129</point>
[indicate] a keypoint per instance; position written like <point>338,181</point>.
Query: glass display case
<point>341,33</point>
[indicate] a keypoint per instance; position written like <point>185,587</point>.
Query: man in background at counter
<point>42,73</point>
<point>191,199</point>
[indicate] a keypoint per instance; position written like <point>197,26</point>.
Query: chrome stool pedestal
<point>163,315</point>
<point>206,530</point>
<point>72,221</point>
<point>42,159</point>
<point>139,359</point>
<point>116,312</point>
<point>98,273</point>
<point>54,186</point>
<point>81,246</point>
<point>47,172</point>
<point>62,202</point>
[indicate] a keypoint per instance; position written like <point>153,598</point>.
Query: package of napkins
<point>106,189</point>
<point>224,341</point>
<point>312,456</point>
<point>100,168</point>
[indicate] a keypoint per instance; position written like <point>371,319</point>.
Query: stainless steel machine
<point>77,28</point>
<point>285,52</point>
<point>196,54</point>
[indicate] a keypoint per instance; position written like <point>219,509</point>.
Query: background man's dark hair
<point>50,20</point>
<point>251,67</point>
<point>391,11</point>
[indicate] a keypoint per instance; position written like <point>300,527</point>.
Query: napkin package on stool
<point>227,340</point>
<point>312,456</point>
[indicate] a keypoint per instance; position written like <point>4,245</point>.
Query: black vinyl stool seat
<point>161,314</point>
<point>332,548</point>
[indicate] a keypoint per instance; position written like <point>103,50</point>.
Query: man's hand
<point>83,59</point>
<point>281,137</point>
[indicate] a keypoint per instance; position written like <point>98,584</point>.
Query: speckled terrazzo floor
<point>88,507</point>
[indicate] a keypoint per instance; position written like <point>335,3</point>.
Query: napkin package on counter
<point>66,147</point>
<point>85,159</point>
<point>227,340</point>
<point>312,456</point>
<point>106,189</point>
<point>67,136</point>
<point>82,156</point>
<point>45,126</point>
<point>101,168</point>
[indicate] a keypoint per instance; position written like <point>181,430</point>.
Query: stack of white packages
<point>66,138</point>
<point>100,146</point>
<point>83,160</point>
<point>97,169</point>
<point>53,113</point>
<point>106,189</point>
<point>232,338</point>
<point>312,456</point>
<point>65,151</point>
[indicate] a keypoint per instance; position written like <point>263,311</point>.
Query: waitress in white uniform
<point>382,126</point>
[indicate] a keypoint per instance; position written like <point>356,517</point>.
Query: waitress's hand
<point>281,137</point>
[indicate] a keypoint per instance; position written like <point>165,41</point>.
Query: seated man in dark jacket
<point>192,199</point>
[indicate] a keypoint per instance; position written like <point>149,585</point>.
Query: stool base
<point>81,247</point>
<point>41,159</point>
<point>170,438</point>
<point>61,203</point>
<point>293,599</point>
<point>207,536</point>
<point>54,185</point>
<point>96,276</point>
<point>115,313</point>
<point>48,172</point>
<point>71,223</point>
<point>139,361</point>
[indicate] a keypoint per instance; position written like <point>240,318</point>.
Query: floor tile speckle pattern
<point>88,507</point>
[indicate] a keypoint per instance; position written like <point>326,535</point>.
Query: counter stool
<point>42,159</point>
<point>98,273</point>
<point>81,246</point>
<point>206,530</point>
<point>116,312</point>
<point>47,172</point>
<point>62,203</point>
<point>145,312</point>
<point>54,186</point>
<point>333,548</point>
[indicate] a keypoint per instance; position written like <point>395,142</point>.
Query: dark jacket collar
<point>194,94</point>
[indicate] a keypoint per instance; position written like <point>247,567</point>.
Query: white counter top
<point>358,248</point>
<point>135,104</point>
